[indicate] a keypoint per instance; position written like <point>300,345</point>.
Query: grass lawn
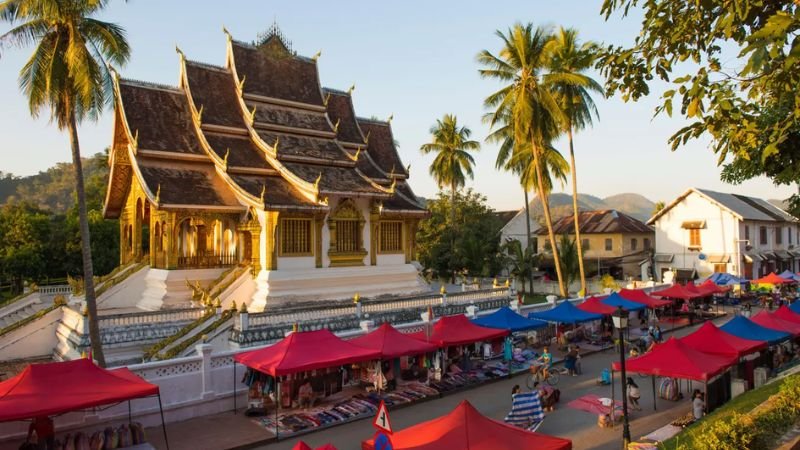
<point>741,404</point>
<point>532,299</point>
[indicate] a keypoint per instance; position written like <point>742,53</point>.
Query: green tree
<point>67,75</point>
<point>570,60</point>
<point>535,115</point>
<point>733,67</point>
<point>570,261</point>
<point>658,207</point>
<point>24,232</point>
<point>453,162</point>
<point>476,252</point>
<point>520,262</point>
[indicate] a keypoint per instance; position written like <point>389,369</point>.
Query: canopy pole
<point>130,416</point>
<point>234,387</point>
<point>653,377</point>
<point>163,424</point>
<point>277,406</point>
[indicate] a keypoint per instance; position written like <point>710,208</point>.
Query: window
<point>347,236</point>
<point>647,243</point>
<point>609,246</point>
<point>694,238</point>
<point>585,244</point>
<point>634,244</point>
<point>295,237</point>
<point>391,237</point>
<point>747,232</point>
<point>779,236</point>
<point>762,235</point>
<point>720,268</point>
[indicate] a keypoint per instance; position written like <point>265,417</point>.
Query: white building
<point>516,229</point>
<point>704,231</point>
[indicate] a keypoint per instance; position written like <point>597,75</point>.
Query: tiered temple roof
<point>260,132</point>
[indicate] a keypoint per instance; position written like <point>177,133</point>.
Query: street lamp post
<point>621,323</point>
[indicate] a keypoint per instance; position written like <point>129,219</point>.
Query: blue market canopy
<point>747,329</point>
<point>789,275</point>
<point>565,312</point>
<point>795,306</point>
<point>616,301</point>
<point>726,279</point>
<point>506,319</point>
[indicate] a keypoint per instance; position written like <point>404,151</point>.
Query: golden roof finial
<point>180,52</point>
<point>358,152</point>
<point>135,140</point>
<point>408,169</point>
<point>324,201</point>
<point>263,191</point>
<point>336,125</point>
<point>225,160</point>
<point>252,114</point>
<point>327,99</point>
<point>200,113</point>
<point>443,290</point>
<point>366,138</point>
<point>241,83</point>
<point>316,183</point>
<point>391,116</point>
<point>227,33</point>
<point>158,194</point>
<point>316,57</point>
<point>275,145</point>
<point>351,89</point>
<point>356,298</point>
<point>394,185</point>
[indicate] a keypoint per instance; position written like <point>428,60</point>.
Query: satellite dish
<point>701,256</point>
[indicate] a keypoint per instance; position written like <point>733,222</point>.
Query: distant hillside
<point>561,205</point>
<point>52,189</point>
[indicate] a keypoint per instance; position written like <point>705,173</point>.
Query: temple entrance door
<point>247,248</point>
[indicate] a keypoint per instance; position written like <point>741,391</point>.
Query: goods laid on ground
<point>109,439</point>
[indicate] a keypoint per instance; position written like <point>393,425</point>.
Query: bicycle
<point>536,375</point>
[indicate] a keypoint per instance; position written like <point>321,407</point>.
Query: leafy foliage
<point>520,262</point>
<point>569,259</point>
<point>734,67</point>
<point>451,144</point>
<point>476,250</point>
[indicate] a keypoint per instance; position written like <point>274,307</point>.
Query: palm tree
<point>536,117</point>
<point>67,75</point>
<point>520,262</point>
<point>515,159</point>
<point>572,88</point>
<point>452,165</point>
<point>569,258</point>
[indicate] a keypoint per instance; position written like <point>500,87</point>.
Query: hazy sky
<point>413,59</point>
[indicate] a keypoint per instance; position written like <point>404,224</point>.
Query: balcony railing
<point>204,261</point>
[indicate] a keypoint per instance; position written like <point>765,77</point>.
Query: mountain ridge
<point>632,204</point>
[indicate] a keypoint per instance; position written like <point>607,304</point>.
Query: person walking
<point>634,394</point>
<point>698,404</point>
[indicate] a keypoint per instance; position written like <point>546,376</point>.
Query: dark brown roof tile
<point>185,183</point>
<point>213,89</point>
<point>243,153</point>
<point>340,109</point>
<point>288,117</point>
<point>597,222</point>
<point>284,77</point>
<point>308,147</point>
<point>381,146</point>
<point>277,191</point>
<point>334,179</point>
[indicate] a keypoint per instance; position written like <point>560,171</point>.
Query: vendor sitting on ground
<point>548,395</point>
<point>391,384</point>
<point>453,368</point>
<point>305,395</point>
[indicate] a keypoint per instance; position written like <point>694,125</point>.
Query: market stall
<point>786,313</point>
<point>507,319</point>
<point>402,357</point>
<point>274,374</point>
<point>772,278</point>
<point>747,329</point>
<point>466,428</point>
<point>676,360</point>
<point>710,339</point>
<point>593,305</point>
<point>51,389</point>
<point>458,330</point>
<point>565,312</point>
<point>769,320</point>
<point>795,306</point>
<point>640,296</point>
<point>564,315</point>
<point>789,275</point>
<point>615,300</point>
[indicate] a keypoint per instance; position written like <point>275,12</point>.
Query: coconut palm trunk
<point>528,237</point>
<point>548,221</point>
<point>575,215</point>
<point>453,232</point>
<point>86,247</point>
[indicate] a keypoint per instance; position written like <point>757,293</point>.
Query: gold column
<point>374,235</point>
<point>272,237</point>
<point>170,250</point>
<point>152,241</point>
<point>319,221</point>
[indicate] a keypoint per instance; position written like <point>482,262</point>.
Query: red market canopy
<point>467,429</point>
<point>710,339</point>
<point>713,288</point>
<point>701,291</point>
<point>304,351</point>
<point>458,330</point>
<point>676,291</point>
<point>772,278</point>
<point>60,387</point>
<point>595,306</point>
<point>768,320</point>
<point>677,360</point>
<point>784,313</point>
<point>640,296</point>
<point>392,343</point>
<point>303,446</point>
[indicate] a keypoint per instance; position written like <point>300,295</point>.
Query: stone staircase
<point>21,313</point>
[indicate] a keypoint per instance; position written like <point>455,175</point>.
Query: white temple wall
<point>391,259</point>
